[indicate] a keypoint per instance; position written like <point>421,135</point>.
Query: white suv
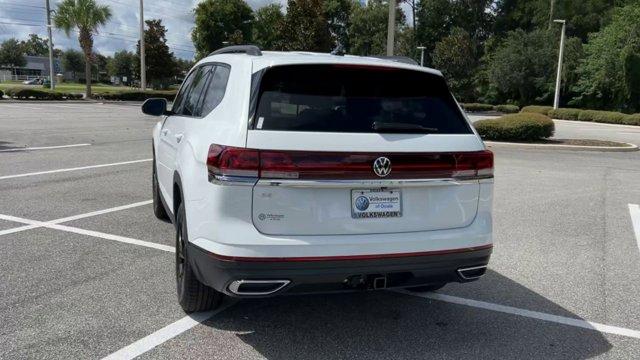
<point>291,172</point>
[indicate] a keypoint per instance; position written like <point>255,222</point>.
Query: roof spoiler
<point>400,59</point>
<point>239,49</point>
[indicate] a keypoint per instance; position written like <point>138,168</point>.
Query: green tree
<point>583,17</point>
<point>435,19</point>
<point>99,64</point>
<point>35,46</point>
<point>220,21</point>
<point>609,73</point>
<point>159,61</point>
<point>338,15</point>
<point>267,29</point>
<point>368,29</point>
<point>183,66</point>
<point>405,43</point>
<point>306,27</point>
<point>522,68</point>
<point>73,60</point>
<point>518,14</point>
<point>455,55</point>
<point>86,16</point>
<point>11,54</point>
<point>474,17</point>
<point>122,65</point>
<point>631,61</point>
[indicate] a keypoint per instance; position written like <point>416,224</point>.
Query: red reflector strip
<point>348,257</point>
<point>310,165</point>
<point>335,165</point>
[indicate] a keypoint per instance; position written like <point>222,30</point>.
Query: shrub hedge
<point>507,109</point>
<point>516,127</point>
<point>137,95</point>
<point>477,107</point>
<point>564,113</point>
<point>610,117</point>
<point>544,110</point>
<point>35,94</point>
<point>602,116</point>
<point>633,119</point>
<point>22,93</point>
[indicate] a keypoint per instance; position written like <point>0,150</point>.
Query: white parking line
<point>73,169</point>
<point>634,211</point>
<point>188,322</point>
<point>165,334</point>
<point>22,106</point>
<point>75,217</point>
<point>528,313</point>
<point>43,148</point>
<point>97,234</point>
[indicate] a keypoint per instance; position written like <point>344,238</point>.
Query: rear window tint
<point>346,98</point>
<point>216,89</point>
<point>190,107</point>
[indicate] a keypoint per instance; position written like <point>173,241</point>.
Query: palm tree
<point>83,16</point>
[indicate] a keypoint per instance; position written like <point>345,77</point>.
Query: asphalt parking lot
<point>88,272</point>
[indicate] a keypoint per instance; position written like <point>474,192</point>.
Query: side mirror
<point>155,106</point>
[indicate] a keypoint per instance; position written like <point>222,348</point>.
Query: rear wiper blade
<point>395,127</point>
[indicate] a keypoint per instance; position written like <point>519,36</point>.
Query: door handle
<point>164,132</point>
<point>179,137</point>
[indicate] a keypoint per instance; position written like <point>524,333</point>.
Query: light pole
<point>143,70</point>
<point>556,100</point>
<point>391,27</point>
<point>421,48</point>
<point>51,81</point>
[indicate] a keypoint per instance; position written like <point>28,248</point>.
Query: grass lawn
<point>71,87</point>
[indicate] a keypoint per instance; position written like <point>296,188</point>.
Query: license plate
<point>376,203</point>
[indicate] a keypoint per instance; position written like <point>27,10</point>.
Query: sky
<point>19,18</point>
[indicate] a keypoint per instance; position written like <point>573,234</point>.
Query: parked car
<point>289,173</point>
<point>35,81</point>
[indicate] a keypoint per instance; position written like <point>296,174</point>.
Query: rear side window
<point>216,89</point>
<point>363,99</point>
<point>191,103</point>
<point>182,94</point>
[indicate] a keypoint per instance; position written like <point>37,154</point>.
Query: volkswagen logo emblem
<point>382,166</point>
<point>362,203</point>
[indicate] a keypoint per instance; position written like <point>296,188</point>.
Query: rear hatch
<point>344,149</point>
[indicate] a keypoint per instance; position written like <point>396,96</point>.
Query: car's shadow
<point>390,325</point>
<point>5,145</point>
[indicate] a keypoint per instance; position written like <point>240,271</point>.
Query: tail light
<point>232,163</point>
<point>225,161</point>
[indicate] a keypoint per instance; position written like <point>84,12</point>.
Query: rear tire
<point>427,288</point>
<point>158,209</point>
<point>192,294</point>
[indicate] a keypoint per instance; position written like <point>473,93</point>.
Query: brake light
<point>474,164</point>
<point>227,161</point>
<point>232,161</point>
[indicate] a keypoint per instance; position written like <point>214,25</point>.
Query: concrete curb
<point>630,147</point>
<point>619,126</point>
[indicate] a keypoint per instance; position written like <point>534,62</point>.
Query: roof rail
<point>239,49</point>
<point>400,59</point>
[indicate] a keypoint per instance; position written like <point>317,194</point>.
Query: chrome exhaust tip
<point>472,273</point>
<point>257,287</point>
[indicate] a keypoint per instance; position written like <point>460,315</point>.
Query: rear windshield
<point>362,99</point>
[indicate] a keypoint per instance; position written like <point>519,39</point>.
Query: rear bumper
<point>311,275</point>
